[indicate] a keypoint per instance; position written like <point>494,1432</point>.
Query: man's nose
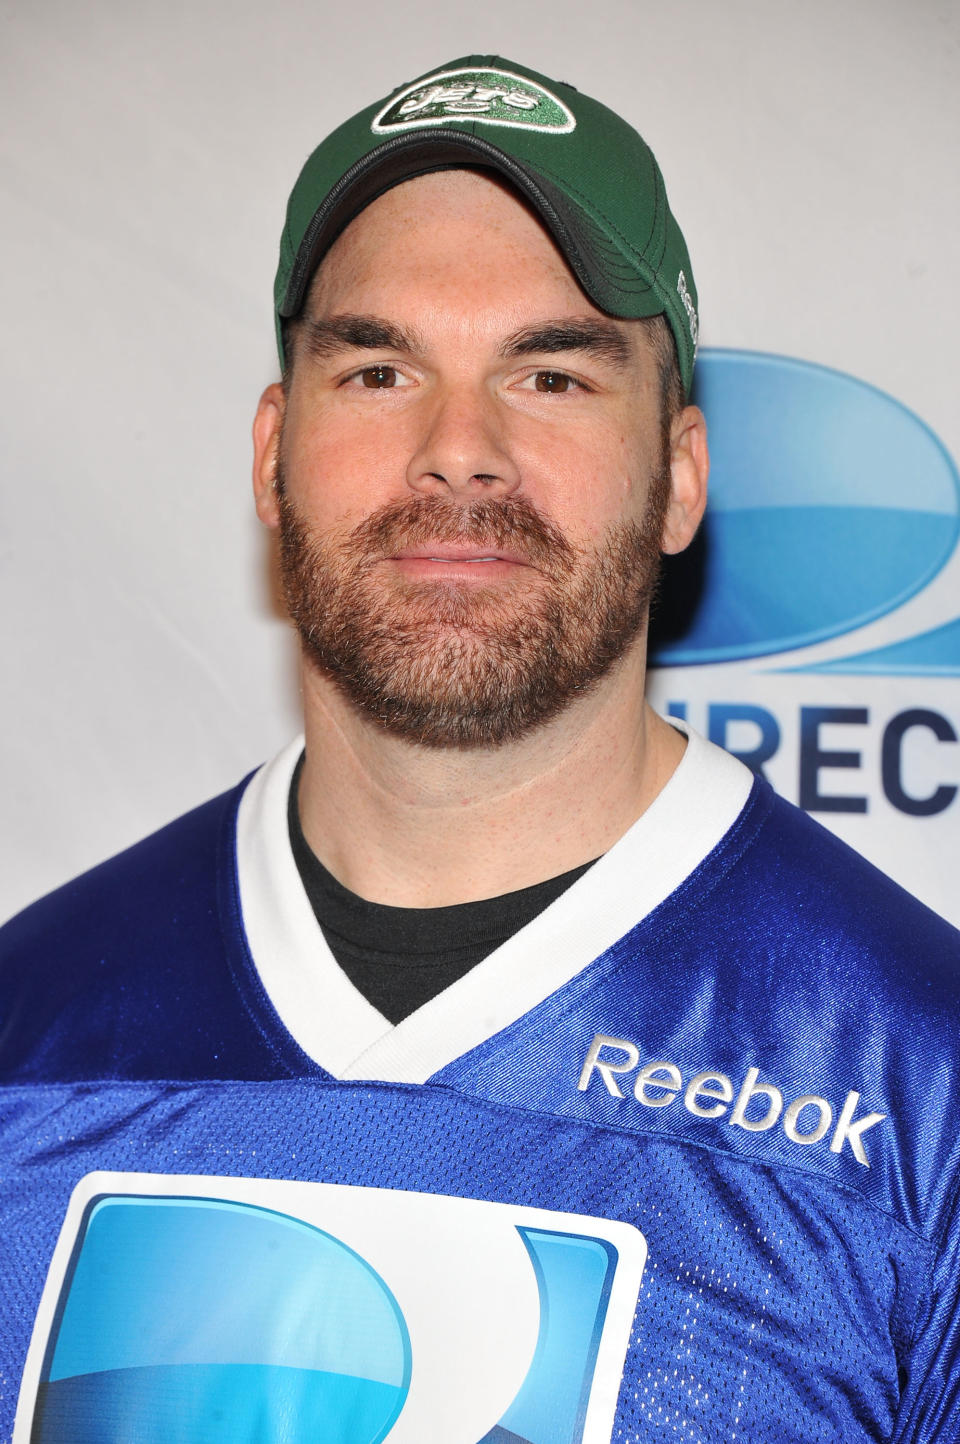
<point>463,449</point>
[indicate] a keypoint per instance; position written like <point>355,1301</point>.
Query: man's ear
<point>689,468</point>
<point>267,425</point>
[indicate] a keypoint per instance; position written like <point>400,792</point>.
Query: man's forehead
<point>403,277</point>
<point>438,236</point>
<point>421,205</point>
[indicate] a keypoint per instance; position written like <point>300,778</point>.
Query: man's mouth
<point>454,562</point>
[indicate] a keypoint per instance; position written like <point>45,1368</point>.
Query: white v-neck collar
<point>335,1025</point>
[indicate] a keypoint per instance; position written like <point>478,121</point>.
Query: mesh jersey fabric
<point>769,1105</point>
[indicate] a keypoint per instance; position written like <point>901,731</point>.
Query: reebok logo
<point>496,97</point>
<point>756,1108</point>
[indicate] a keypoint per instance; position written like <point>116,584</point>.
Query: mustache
<point>508,522</point>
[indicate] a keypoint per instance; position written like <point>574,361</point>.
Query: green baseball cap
<point>591,178</point>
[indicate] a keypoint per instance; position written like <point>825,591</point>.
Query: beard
<point>469,665</point>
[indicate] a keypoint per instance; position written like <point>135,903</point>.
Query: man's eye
<point>552,382</point>
<point>380,378</point>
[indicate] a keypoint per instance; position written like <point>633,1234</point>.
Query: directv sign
<point>813,629</point>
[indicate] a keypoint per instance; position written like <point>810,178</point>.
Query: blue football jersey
<point>679,1160</point>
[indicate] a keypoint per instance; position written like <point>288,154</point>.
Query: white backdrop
<point>810,152</point>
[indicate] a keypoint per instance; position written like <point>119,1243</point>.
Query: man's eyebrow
<point>331,334</point>
<point>599,337</point>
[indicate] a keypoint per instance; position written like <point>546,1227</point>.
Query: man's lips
<point>470,562</point>
<point>459,552</point>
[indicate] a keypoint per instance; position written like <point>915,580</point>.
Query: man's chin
<point>442,681</point>
<point>445,719</point>
<point>414,608</point>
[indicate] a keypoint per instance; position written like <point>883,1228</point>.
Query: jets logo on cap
<point>496,97</point>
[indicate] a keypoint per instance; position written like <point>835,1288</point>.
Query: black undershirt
<point>400,958</point>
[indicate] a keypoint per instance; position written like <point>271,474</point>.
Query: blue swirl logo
<point>831,505</point>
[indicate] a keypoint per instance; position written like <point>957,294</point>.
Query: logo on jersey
<point>496,97</point>
<point>215,1310</point>
<point>757,1106</point>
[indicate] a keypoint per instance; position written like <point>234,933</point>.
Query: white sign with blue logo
<point>198,1310</point>
<point>814,627</point>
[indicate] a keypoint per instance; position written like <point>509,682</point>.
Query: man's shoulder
<point>803,876</point>
<point>771,877</point>
<point>129,893</point>
<point>824,967</point>
<point>133,949</point>
<point>789,952</point>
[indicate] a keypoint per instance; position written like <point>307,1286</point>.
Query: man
<point>504,1064</point>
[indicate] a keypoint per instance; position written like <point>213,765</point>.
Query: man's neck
<point>414,826</point>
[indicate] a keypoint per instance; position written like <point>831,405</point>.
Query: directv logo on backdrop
<point>197,1310</point>
<point>814,628</point>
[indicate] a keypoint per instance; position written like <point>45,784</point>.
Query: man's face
<point>472,476</point>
